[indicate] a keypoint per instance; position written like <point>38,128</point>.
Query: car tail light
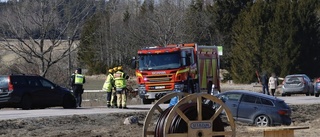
<point>283,112</point>
<point>10,86</point>
<point>304,82</point>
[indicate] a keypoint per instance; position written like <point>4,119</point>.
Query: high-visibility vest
<point>119,80</point>
<point>79,78</point>
<point>107,86</point>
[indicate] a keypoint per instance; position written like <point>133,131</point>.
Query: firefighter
<point>113,100</point>
<point>77,86</point>
<point>120,83</point>
<point>108,86</point>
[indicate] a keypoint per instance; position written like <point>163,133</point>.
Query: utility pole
<point>69,57</point>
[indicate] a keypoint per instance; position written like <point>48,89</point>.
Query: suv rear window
<point>266,102</point>
<point>294,80</point>
<point>18,80</point>
<point>282,104</point>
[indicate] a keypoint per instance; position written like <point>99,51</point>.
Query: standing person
<point>264,82</point>
<point>120,82</point>
<point>77,86</point>
<point>71,79</point>
<point>113,100</point>
<point>273,83</point>
<point>108,86</point>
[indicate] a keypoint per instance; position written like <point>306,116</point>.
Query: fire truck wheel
<point>147,101</point>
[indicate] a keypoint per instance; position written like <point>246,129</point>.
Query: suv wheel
<point>307,94</point>
<point>262,121</point>
<point>26,102</point>
<point>316,94</point>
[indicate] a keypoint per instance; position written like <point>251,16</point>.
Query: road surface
<point>15,113</point>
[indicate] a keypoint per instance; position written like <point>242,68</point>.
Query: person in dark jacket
<point>77,81</point>
<point>264,83</point>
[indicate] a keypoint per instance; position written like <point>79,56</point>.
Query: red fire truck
<point>176,68</point>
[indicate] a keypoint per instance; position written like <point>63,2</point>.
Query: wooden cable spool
<point>156,108</point>
<point>190,117</point>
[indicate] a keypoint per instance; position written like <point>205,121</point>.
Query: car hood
<point>63,89</point>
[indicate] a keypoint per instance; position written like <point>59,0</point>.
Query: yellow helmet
<point>120,68</point>
<point>115,69</point>
<point>110,70</point>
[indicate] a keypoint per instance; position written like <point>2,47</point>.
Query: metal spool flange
<point>199,126</point>
<point>156,108</point>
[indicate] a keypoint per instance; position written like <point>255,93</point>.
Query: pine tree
<point>248,37</point>
<point>307,35</point>
<point>88,52</point>
<point>225,13</point>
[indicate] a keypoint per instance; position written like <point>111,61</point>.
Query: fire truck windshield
<point>159,61</point>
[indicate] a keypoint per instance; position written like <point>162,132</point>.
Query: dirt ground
<point>111,125</point>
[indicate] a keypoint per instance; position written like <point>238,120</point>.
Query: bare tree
<point>42,31</point>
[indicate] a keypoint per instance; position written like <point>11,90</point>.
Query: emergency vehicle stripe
<point>183,70</point>
<point>138,74</point>
<point>208,69</point>
<point>204,70</point>
<point>213,70</point>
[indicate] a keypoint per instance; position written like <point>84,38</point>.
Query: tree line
<point>280,36</point>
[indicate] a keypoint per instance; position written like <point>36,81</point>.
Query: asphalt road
<point>301,99</point>
<point>16,113</point>
<point>59,111</point>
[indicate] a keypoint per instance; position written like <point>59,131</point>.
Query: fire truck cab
<point>173,68</point>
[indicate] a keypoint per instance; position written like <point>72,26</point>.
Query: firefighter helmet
<point>110,70</point>
<point>120,68</point>
<point>115,69</point>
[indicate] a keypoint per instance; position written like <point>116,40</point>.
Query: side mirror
<point>223,99</point>
<point>133,63</point>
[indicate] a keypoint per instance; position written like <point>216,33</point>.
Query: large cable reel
<point>190,117</point>
<point>156,108</point>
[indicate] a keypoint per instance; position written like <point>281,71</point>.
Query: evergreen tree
<point>249,31</point>
<point>88,52</point>
<point>197,24</point>
<point>279,36</point>
<point>307,35</point>
<point>225,13</point>
<point>281,49</point>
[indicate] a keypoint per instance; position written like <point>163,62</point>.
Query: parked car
<point>297,84</point>
<point>317,87</point>
<point>256,108</point>
<point>29,92</point>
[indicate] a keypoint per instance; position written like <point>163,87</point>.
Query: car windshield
<point>159,61</point>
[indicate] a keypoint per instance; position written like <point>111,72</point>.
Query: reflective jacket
<point>79,79</point>
<point>119,79</point>
<point>107,86</point>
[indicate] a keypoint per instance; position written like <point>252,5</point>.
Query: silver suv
<point>297,84</point>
